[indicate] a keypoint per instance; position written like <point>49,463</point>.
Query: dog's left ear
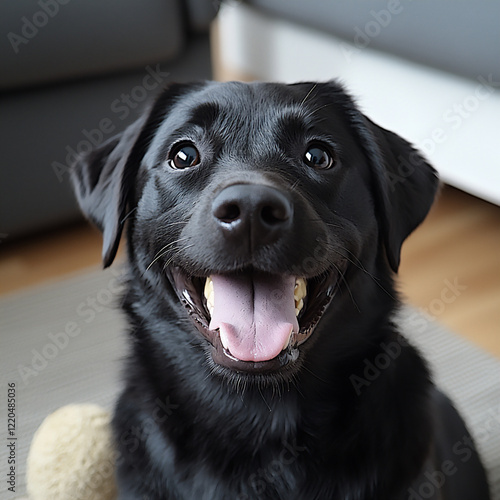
<point>406,186</point>
<point>404,183</point>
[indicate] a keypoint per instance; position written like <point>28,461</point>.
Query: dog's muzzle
<point>255,318</point>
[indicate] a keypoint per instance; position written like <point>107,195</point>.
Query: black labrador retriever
<point>264,228</point>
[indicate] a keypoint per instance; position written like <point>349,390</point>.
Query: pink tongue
<point>255,314</point>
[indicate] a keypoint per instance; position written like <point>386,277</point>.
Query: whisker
<point>315,110</point>
<point>313,88</point>
<point>169,261</point>
<point>128,215</point>
<point>313,374</point>
<point>176,223</point>
<point>168,245</point>
<point>360,266</point>
<point>294,185</point>
<point>357,263</point>
<point>342,278</point>
<point>294,381</point>
<point>263,398</point>
<point>161,253</point>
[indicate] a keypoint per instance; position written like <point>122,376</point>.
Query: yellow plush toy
<point>72,456</point>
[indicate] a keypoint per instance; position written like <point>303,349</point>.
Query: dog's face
<point>252,207</point>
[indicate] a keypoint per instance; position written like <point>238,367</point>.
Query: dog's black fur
<point>192,422</point>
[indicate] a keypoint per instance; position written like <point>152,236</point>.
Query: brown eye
<point>184,156</point>
<point>319,157</point>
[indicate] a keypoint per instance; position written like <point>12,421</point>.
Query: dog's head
<point>254,206</point>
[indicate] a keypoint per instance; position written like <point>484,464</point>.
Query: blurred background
<point>73,74</point>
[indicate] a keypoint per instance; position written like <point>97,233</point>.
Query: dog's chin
<point>268,351</point>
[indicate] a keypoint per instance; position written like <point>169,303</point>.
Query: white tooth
<point>298,306</point>
<point>223,340</point>
<point>300,290</point>
<point>209,295</point>
<point>209,286</point>
<point>299,293</point>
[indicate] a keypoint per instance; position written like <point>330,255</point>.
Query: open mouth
<point>254,321</point>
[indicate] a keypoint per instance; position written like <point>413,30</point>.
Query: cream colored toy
<point>72,456</point>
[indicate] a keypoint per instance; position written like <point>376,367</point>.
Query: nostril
<point>227,212</point>
<point>274,214</point>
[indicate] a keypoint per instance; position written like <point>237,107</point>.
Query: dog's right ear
<point>102,186</point>
<point>104,179</point>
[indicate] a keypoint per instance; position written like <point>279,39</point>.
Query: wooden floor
<point>450,265</point>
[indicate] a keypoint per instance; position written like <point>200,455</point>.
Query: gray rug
<point>62,343</point>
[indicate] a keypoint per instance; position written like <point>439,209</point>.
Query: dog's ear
<point>102,186</point>
<point>405,186</point>
<point>103,179</point>
<point>404,183</point>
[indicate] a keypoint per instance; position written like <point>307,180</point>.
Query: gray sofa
<point>458,37</point>
<point>75,73</point>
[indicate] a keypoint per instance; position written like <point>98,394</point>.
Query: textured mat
<point>63,343</point>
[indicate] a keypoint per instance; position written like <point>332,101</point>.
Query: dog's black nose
<point>253,212</point>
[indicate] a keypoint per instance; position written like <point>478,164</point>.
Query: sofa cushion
<point>53,40</point>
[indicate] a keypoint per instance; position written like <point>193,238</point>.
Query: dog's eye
<point>184,156</point>
<point>317,156</point>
